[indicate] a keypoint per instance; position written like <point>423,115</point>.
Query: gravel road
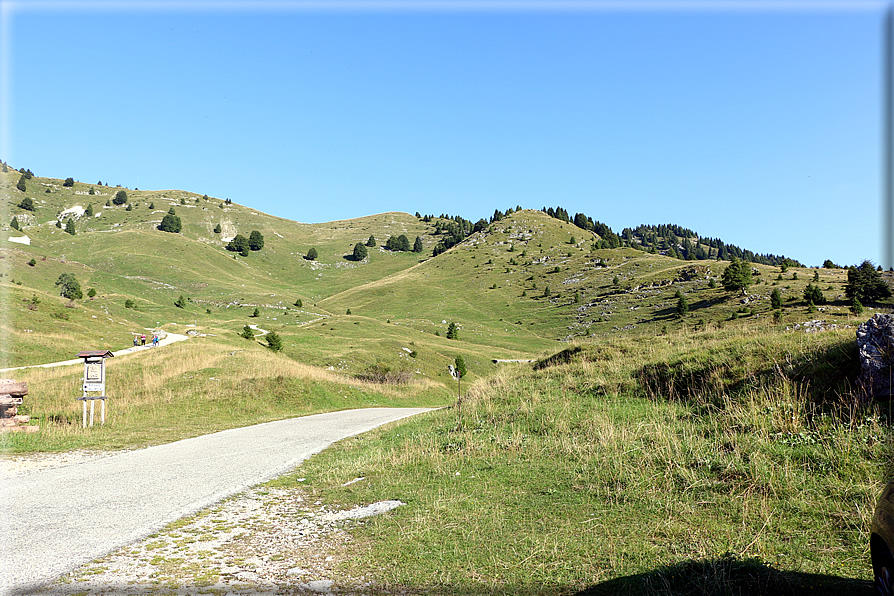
<point>58,519</point>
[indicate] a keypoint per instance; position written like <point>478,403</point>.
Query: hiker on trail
<point>143,339</point>
<point>136,341</point>
<point>154,341</point>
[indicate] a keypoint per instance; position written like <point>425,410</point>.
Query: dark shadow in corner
<point>722,577</point>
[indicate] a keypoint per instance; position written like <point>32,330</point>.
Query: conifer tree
<point>360,252</point>
<point>417,245</point>
<point>371,242</point>
<point>70,227</point>
<point>736,276</point>
<point>274,342</point>
<point>311,254</point>
<point>14,224</point>
<point>776,298</point>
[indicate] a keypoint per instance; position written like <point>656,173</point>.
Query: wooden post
<point>85,413</point>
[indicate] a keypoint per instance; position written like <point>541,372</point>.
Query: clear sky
<point>756,122</point>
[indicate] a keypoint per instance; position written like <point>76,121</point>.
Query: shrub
<point>27,204</point>
<point>217,229</point>
<point>91,293</point>
<point>14,224</point>
<point>152,205</point>
<point>120,197</point>
<point>68,182</point>
<point>70,227</point>
<point>32,263</point>
<point>180,302</point>
<point>129,207</point>
<point>299,303</point>
<point>348,312</point>
<point>247,333</point>
<point>311,254</point>
<point>371,242</point>
<point>129,303</point>
<point>256,313</point>
<point>360,252</point>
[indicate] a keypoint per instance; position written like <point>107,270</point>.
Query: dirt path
<point>167,339</point>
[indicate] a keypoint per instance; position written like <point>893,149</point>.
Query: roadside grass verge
<point>589,475</point>
<point>189,389</point>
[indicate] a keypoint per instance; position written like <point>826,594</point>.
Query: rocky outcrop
<point>875,341</point>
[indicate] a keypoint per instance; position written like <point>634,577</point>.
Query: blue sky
<point>761,126</point>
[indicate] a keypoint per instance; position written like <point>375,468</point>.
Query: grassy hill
<point>645,451</point>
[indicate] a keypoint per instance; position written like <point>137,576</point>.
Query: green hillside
<point>651,449</point>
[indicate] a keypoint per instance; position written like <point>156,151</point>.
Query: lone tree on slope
<point>255,240</point>
<point>360,252</point>
<point>737,276</point>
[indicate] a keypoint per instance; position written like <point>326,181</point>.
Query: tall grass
<point>190,389</point>
<point>588,474</point>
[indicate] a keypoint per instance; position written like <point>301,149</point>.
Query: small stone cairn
<point>12,394</point>
<point>875,341</point>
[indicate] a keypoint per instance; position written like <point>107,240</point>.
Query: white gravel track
<point>58,519</point>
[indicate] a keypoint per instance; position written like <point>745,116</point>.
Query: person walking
<point>136,341</point>
<point>143,339</point>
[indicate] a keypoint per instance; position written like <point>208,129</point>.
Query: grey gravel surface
<point>58,519</point>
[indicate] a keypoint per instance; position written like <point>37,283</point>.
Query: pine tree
<point>299,303</point>
<point>865,283</point>
<point>452,332</point>
<point>311,254</point>
<point>776,298</point>
<point>682,305</point>
<point>88,212</point>
<point>736,276</point>
<point>14,224</point>
<point>217,229</point>
<point>120,197</point>
<point>371,242</point>
<point>813,295</point>
<point>417,245</point>
<point>360,252</point>
<point>247,333</point>
<point>274,342</point>
<point>180,302</point>
<point>70,227</point>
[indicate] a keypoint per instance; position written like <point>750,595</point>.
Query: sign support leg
<point>103,413</point>
<point>92,408</point>
<point>85,414</point>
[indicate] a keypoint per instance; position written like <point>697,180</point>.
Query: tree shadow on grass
<point>728,576</point>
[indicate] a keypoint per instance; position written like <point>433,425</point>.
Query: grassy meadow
<point>718,452</point>
<point>596,474</point>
